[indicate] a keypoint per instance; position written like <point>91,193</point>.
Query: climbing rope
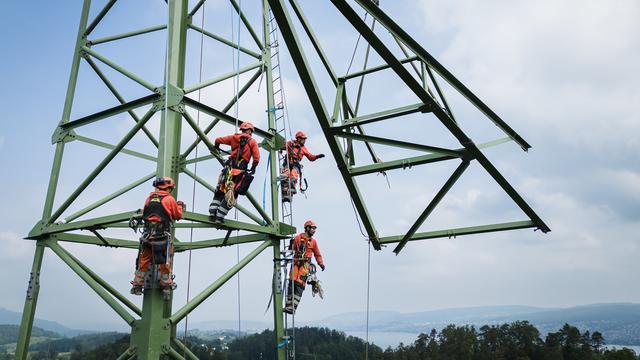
<point>229,195</point>
<point>356,109</point>
<point>193,190</point>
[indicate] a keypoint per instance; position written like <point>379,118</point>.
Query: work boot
<point>166,281</point>
<point>136,289</point>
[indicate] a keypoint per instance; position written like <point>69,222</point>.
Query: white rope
<point>368,293</point>
<point>236,88</point>
<point>193,190</point>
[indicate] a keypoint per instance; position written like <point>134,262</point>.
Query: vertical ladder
<point>283,130</point>
<point>279,109</point>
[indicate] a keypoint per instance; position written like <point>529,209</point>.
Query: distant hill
<point>9,317</point>
<point>9,334</point>
<point>619,323</point>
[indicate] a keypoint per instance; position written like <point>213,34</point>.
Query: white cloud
<point>14,246</point>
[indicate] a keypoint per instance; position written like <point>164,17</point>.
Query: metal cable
<point>236,88</point>
<point>193,190</point>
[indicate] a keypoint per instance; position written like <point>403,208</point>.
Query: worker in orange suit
<point>291,167</point>
<point>304,246</point>
<point>156,244</point>
<point>235,178</point>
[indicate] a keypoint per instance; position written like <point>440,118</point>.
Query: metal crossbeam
<point>451,125</point>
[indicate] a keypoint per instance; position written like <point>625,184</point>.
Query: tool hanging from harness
<point>316,287</point>
<point>155,234</point>
<point>236,182</point>
<point>303,272</point>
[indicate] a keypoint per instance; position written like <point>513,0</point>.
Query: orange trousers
<point>293,173</point>
<point>300,272</point>
<point>145,260</point>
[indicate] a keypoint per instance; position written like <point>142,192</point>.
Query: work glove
<point>216,147</point>
<point>319,156</point>
<point>182,205</point>
<point>321,266</point>
<point>252,171</point>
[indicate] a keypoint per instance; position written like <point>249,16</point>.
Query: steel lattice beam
<point>153,332</point>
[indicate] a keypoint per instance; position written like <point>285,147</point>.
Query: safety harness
<point>293,162</point>
<point>156,234</point>
<point>225,181</point>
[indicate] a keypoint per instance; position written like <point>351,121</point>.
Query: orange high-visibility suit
<point>173,212</point>
<point>303,248</point>
<point>296,152</point>
<point>219,207</point>
<point>251,150</point>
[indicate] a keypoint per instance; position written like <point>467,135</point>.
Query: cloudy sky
<point>562,74</point>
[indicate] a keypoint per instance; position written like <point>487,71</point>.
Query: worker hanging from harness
<point>235,179</point>
<point>156,243</point>
<point>291,167</point>
<point>303,247</point>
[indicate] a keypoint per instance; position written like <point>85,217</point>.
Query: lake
<point>393,339</point>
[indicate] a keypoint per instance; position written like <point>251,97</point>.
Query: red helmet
<point>301,134</point>
<point>163,183</point>
<point>309,223</point>
<point>247,126</point>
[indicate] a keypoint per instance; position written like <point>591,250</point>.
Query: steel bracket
<point>62,135</point>
<point>276,143</point>
<point>34,284</point>
<point>37,230</point>
<point>171,99</point>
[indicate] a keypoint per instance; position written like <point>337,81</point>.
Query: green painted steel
<point>375,117</point>
<point>247,24</point>
<point>118,68</point>
<point>222,77</point>
<point>198,299</point>
<point>304,70</point>
<point>432,205</point>
<point>225,41</point>
<point>276,288</point>
<point>111,147</point>
<point>452,233</point>
<point>100,281</point>
<point>230,104</point>
<point>29,309</point>
<point>93,284</point>
<point>226,241</point>
<point>127,34</point>
<point>397,31</point>
<point>153,334</point>
<point>443,116</point>
<point>94,240</point>
<point>397,143</point>
<point>117,95</point>
<point>126,107</point>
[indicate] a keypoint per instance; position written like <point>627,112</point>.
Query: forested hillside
<point>518,340</point>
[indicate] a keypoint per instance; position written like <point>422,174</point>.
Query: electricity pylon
<point>153,328</point>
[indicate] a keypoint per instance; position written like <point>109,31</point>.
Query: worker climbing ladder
<point>72,220</point>
<point>283,128</point>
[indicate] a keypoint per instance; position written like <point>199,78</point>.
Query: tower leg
<point>278,319</point>
<point>29,310</point>
<point>151,335</point>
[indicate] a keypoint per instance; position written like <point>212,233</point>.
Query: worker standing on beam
<point>235,179</point>
<point>303,246</point>
<point>156,244</point>
<point>291,167</point>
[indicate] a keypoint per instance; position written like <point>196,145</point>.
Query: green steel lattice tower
<point>153,327</point>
